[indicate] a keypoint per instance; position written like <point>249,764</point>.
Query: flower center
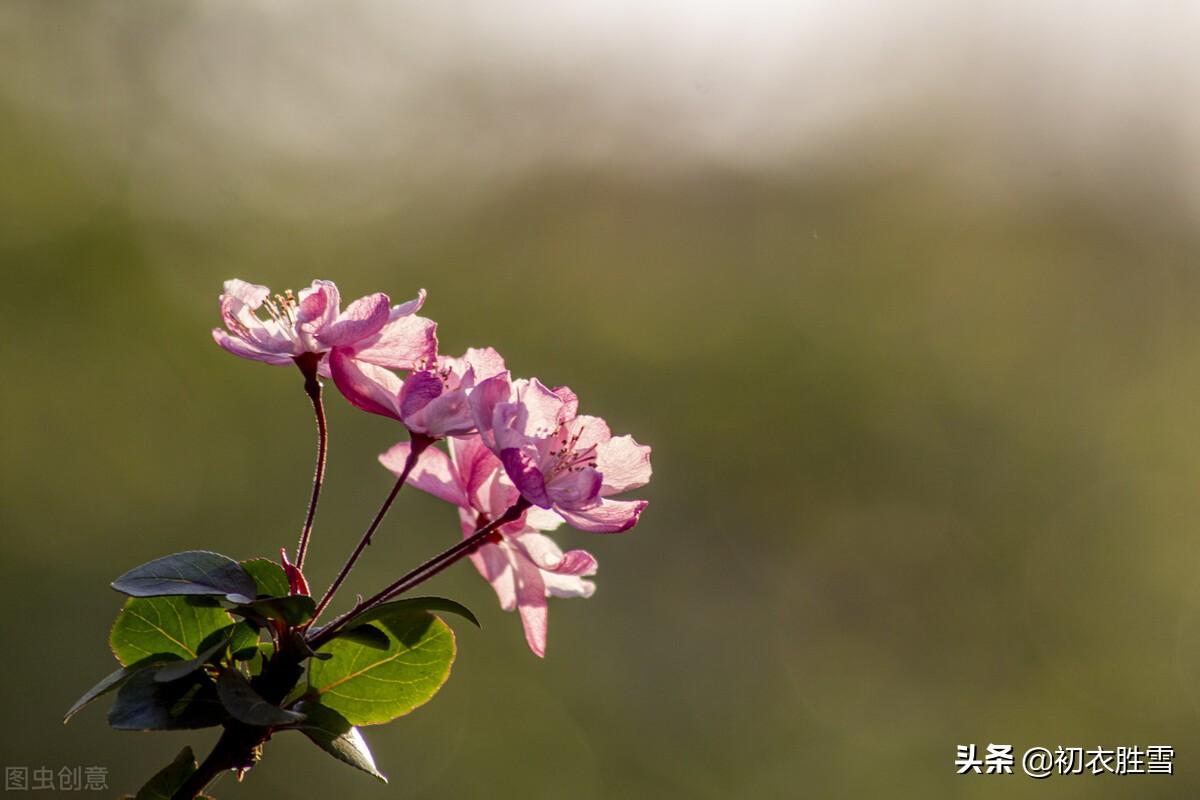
<point>567,457</point>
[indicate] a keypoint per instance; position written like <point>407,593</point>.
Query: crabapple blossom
<point>557,459</point>
<point>523,565</point>
<point>431,401</point>
<point>369,330</point>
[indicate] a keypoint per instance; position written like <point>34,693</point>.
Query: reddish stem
<point>312,387</point>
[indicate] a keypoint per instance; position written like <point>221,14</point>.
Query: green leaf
<point>167,781</point>
<point>368,635</point>
<point>144,704</point>
<point>415,604</point>
<point>151,626</point>
<point>293,610</point>
<point>247,705</point>
<point>244,643</point>
<point>268,576</point>
<point>369,686</point>
<point>195,572</point>
<point>180,669</point>
<point>112,682</point>
<point>334,734</point>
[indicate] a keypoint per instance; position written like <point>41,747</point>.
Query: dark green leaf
<point>368,635</point>
<point>111,682</point>
<point>369,686</point>
<point>180,669</point>
<point>164,785</point>
<point>244,643</point>
<point>268,576</point>
<point>247,705</point>
<point>293,609</point>
<point>195,572</point>
<point>144,704</point>
<point>416,604</point>
<point>150,626</point>
<point>330,731</point>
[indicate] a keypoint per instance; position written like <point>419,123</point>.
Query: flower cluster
<point>517,451</point>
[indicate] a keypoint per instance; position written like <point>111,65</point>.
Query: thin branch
<point>312,387</point>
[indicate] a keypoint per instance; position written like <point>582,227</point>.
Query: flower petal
<point>485,362</point>
<point>319,306</point>
<point>485,399</point>
<point>526,476</point>
<point>558,585</point>
<point>608,516</point>
<point>402,343</point>
<point>446,415</point>
<point>543,551</point>
<point>531,604</point>
<point>248,294</point>
<point>495,568</point>
<point>577,489</point>
<point>434,472</point>
<point>475,463</point>
<point>624,463</point>
<point>366,386</point>
<point>411,307</point>
<point>419,388</point>
<point>543,519</point>
<point>240,347</point>
<point>361,319</point>
<point>570,401</point>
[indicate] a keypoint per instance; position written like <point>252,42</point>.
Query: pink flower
<point>432,401</point>
<point>368,330</point>
<point>524,566</point>
<point>558,460</point>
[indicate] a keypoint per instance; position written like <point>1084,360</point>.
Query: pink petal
<point>609,516</point>
<point>446,415</point>
<point>244,324</point>
<point>361,319</point>
<point>570,401</point>
<point>484,400</point>
<point>434,472</point>
<point>493,565</point>
<point>366,386</point>
<point>575,489</point>
<point>402,343</point>
<point>319,306</point>
<point>542,519</point>
<point>419,388</point>
<point>543,551</point>
<point>485,362</point>
<point>501,494</point>
<point>240,347</point>
<point>475,462</point>
<point>249,294</point>
<point>544,410</point>
<point>558,585</point>
<point>531,604</point>
<point>577,562</point>
<point>411,307</point>
<point>624,463</point>
<point>525,474</point>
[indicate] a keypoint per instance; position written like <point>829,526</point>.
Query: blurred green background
<point>904,300</point>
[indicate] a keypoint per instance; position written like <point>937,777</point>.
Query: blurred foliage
<point>925,444</point>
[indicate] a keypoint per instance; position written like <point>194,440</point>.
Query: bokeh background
<point>903,295</point>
